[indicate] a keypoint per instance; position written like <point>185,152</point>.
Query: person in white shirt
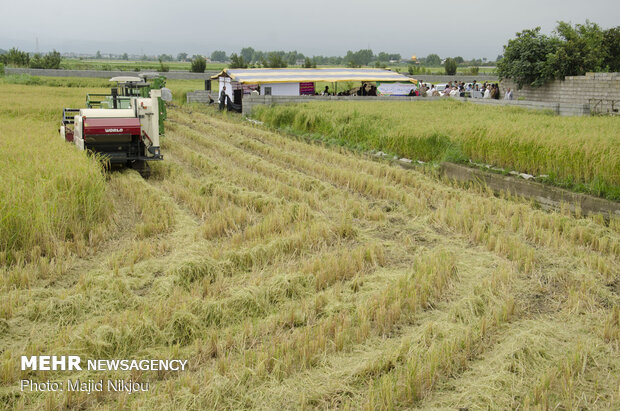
<point>508,95</point>
<point>430,91</point>
<point>487,92</point>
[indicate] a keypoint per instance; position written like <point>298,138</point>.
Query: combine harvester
<point>124,126</point>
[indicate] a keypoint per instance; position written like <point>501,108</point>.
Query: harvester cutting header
<point>123,126</point>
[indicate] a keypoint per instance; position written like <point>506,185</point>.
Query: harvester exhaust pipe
<point>114,93</point>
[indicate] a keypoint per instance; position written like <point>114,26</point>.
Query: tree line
<point>248,57</point>
<point>17,58</point>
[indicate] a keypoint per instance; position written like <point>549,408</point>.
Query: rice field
<point>291,275</point>
<point>579,153</point>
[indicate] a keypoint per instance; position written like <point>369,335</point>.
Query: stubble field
<point>292,275</point>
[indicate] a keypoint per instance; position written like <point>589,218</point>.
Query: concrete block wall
<point>249,102</point>
<point>577,95</point>
<point>200,96</point>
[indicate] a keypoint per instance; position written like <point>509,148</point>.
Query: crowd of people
<point>366,89</point>
<point>461,89</point>
<point>451,89</point>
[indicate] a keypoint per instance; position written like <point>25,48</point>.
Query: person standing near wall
<point>223,98</point>
<point>495,92</point>
<point>508,95</point>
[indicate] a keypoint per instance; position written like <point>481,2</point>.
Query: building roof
<point>126,79</point>
<point>298,75</point>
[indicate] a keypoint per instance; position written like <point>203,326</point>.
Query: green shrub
<point>1,69</point>
<point>199,64</point>
<point>163,68</point>
<point>52,60</point>
<point>36,62</point>
<point>16,57</point>
<point>49,61</point>
<point>450,66</point>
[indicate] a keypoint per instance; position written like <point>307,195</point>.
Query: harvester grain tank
<point>124,126</point>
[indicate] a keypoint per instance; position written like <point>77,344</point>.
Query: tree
<point>165,57</point>
<point>292,56</point>
<point>248,54</point>
<point>199,64</point>
<point>579,50</point>
<point>275,60</point>
<point>359,58</point>
<point>182,57</point>
<point>98,55</point>
<point>125,56</point>
<point>237,61</point>
<point>52,60</point>
<point>49,61</point>
<point>258,56</point>
<point>16,57</point>
<point>611,47</point>
<point>532,58</point>
<point>218,55</point>
<point>433,60</point>
<point>309,63</point>
<point>383,56</point>
<point>36,62</point>
<point>450,66</point>
<point>459,60</point>
<point>525,58</point>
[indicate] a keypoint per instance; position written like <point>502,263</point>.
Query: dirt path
<point>290,275</point>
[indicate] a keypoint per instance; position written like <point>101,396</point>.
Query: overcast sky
<point>472,29</point>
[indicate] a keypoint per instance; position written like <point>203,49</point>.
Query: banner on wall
<point>306,89</point>
<point>394,89</point>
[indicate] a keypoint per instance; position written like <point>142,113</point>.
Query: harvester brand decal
<point>113,130</point>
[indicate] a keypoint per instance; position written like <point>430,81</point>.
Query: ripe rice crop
<point>293,276</point>
<point>49,193</point>
<point>582,153</point>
